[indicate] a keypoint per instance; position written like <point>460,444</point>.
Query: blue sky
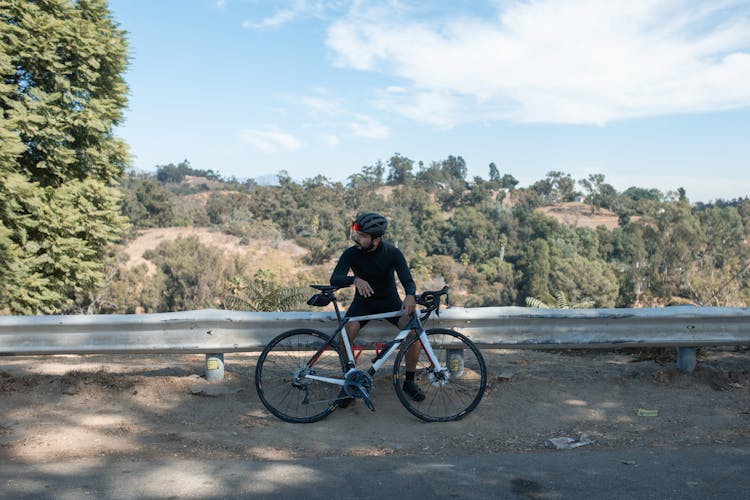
<point>650,93</point>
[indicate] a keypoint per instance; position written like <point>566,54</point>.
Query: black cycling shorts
<point>363,307</point>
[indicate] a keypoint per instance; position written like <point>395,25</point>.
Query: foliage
<point>400,170</point>
<point>584,280</point>
<point>560,302</point>
<point>148,203</point>
<point>125,290</point>
<point>62,92</point>
<point>172,174</point>
<point>194,274</point>
<point>261,293</point>
<point>494,244</point>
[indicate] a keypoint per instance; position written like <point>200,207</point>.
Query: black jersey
<point>377,268</point>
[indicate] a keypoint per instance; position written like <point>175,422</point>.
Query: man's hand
<point>363,287</point>
<point>410,304</point>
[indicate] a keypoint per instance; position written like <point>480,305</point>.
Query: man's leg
<point>412,356</point>
<point>352,329</point>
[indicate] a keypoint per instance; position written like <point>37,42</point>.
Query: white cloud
<point>280,17</point>
<point>321,105</point>
<point>564,61</point>
<point>271,140</point>
<point>366,126</point>
<point>335,114</point>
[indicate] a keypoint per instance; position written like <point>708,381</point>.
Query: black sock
<point>410,376</point>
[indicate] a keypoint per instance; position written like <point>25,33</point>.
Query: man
<point>374,262</point>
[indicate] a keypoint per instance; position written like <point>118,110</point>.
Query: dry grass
<point>578,214</point>
<point>265,253</point>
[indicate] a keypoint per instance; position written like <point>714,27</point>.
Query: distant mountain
<point>267,180</point>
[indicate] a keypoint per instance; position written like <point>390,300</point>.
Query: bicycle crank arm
<point>366,398</point>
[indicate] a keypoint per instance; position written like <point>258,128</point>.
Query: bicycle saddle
<point>326,288</point>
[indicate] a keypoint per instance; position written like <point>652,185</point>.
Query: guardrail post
<point>686,360</point>
<point>214,367</point>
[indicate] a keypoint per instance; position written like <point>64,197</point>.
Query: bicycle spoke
<point>280,376</point>
<point>448,396</point>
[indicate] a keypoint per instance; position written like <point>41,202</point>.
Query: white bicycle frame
<point>414,324</point>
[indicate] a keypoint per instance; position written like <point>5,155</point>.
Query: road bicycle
<point>302,375</point>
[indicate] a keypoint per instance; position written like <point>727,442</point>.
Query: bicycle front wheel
<point>280,376</point>
<point>452,390</point>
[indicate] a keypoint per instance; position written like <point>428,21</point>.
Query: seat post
<point>336,307</point>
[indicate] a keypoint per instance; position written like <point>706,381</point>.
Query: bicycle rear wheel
<point>280,376</point>
<point>452,393</point>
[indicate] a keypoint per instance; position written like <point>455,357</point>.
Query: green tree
<point>600,194</point>
<point>563,186</point>
<point>494,175</point>
<point>722,257</point>
<point>638,193</point>
<point>194,274</point>
<point>670,237</point>
<point>455,170</point>
<point>371,175</point>
<point>61,94</point>
<point>535,267</point>
<point>172,173</point>
<point>475,234</point>
<point>222,206</point>
<point>583,280</point>
<point>498,283</point>
<point>400,170</point>
<point>508,182</point>
<point>149,204</point>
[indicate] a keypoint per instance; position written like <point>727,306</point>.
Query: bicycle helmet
<point>371,223</point>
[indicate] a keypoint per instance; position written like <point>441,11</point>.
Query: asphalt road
<point>716,472</point>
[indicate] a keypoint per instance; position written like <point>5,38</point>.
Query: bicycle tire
<point>446,398</point>
<point>288,396</point>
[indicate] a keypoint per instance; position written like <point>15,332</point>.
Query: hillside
<point>579,214</point>
<point>272,255</point>
<point>286,255</point>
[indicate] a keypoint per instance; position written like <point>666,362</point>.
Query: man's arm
<point>410,288</point>
<point>340,275</point>
<point>410,304</point>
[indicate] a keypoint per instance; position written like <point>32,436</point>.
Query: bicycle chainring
<point>356,380</point>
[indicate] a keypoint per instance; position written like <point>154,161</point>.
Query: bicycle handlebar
<point>431,301</point>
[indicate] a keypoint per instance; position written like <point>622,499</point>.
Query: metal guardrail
<point>221,331</point>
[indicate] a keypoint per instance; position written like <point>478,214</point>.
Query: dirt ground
<point>54,407</point>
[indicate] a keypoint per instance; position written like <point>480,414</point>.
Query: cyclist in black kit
<point>374,262</point>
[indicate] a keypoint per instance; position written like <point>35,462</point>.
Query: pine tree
<point>61,94</point>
